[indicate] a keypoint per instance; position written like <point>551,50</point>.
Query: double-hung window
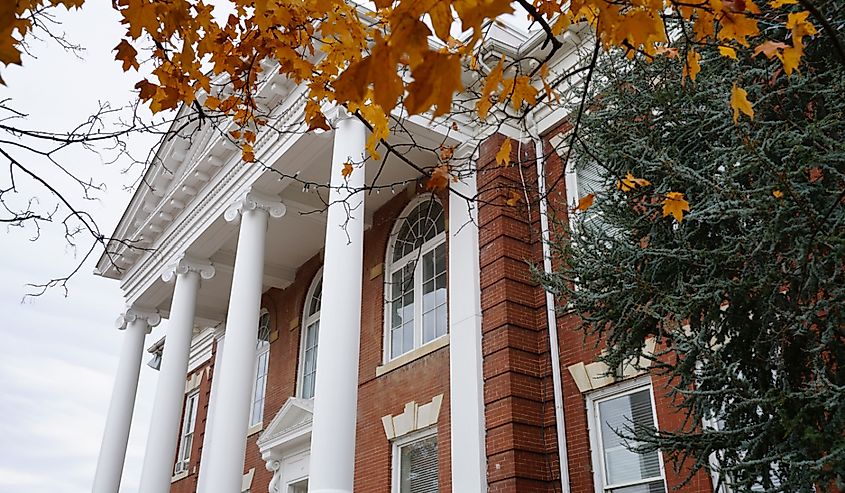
<point>615,414</point>
<point>310,338</point>
<point>415,463</point>
<point>262,359</point>
<point>416,279</point>
<point>186,441</point>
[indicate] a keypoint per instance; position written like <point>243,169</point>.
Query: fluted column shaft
<point>137,325</point>
<point>163,437</point>
<point>336,393</point>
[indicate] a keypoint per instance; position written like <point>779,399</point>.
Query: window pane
<point>624,414</point>
<point>441,323</point>
<point>429,326</point>
<point>418,467</point>
<point>314,304</point>
<point>652,487</point>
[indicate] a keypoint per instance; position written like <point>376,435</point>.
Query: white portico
<point>214,234</point>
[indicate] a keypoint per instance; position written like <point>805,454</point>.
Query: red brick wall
<point>517,386</point>
<point>418,381</point>
<point>189,483</point>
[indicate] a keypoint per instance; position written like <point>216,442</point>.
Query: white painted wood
<point>163,437</point>
<point>466,383</point>
<point>224,471</point>
<point>137,325</point>
<point>336,391</point>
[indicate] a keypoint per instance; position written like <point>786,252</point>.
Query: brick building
<point>392,341</point>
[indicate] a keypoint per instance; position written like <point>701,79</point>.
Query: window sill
<point>413,355</point>
<point>254,429</point>
<point>179,475</point>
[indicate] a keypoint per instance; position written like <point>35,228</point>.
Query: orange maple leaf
<point>347,169</point>
<point>675,204</point>
<point>439,178</point>
<point>585,202</point>
<point>126,54</point>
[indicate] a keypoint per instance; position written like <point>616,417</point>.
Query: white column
<point>137,324</point>
<point>207,447</point>
<point>225,465</point>
<point>170,392</point>
<point>336,392</point>
<point>466,378</point>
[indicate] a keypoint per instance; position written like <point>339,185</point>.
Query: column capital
<point>337,114</point>
<point>132,314</point>
<point>251,201</point>
<point>185,264</point>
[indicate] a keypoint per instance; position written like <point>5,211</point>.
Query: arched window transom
<point>416,280</point>
<point>310,338</point>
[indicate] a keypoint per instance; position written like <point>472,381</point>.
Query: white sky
<point>58,355</point>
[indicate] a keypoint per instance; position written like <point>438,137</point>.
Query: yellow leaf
<point>503,157</point>
<point>211,102</point>
<point>790,58</point>
<point>522,91</point>
<point>738,27</point>
<point>585,202</point>
<point>728,52</point>
<point>776,4</point>
<point>436,79</point>
<point>514,198</point>
<point>675,204</point>
<point>692,67</point>
<point>380,125</point>
<point>630,182</point>
<point>740,103</point>
<point>247,153</point>
<point>347,169</point>
<point>126,54</point>
<point>777,193</point>
<point>491,84</point>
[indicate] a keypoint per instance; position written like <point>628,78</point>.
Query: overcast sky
<point>58,354</point>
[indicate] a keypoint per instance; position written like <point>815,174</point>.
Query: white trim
<point>257,426</point>
<point>593,399</point>
<point>413,355</point>
<point>307,320</point>
<point>189,410</point>
<point>396,456</point>
<point>391,267</point>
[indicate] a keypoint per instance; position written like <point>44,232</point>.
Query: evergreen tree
<point>745,295</point>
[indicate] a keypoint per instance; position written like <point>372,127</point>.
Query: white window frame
<point>188,429</point>
<point>307,320</point>
<point>393,267</point>
<point>593,399</point>
<point>396,454</point>
<point>253,427</point>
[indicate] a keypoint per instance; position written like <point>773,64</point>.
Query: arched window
<point>262,358</point>
<point>310,338</point>
<point>416,279</point>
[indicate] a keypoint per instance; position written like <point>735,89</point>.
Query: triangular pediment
<point>291,424</point>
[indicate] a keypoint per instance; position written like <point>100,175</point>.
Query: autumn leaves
<point>674,203</point>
